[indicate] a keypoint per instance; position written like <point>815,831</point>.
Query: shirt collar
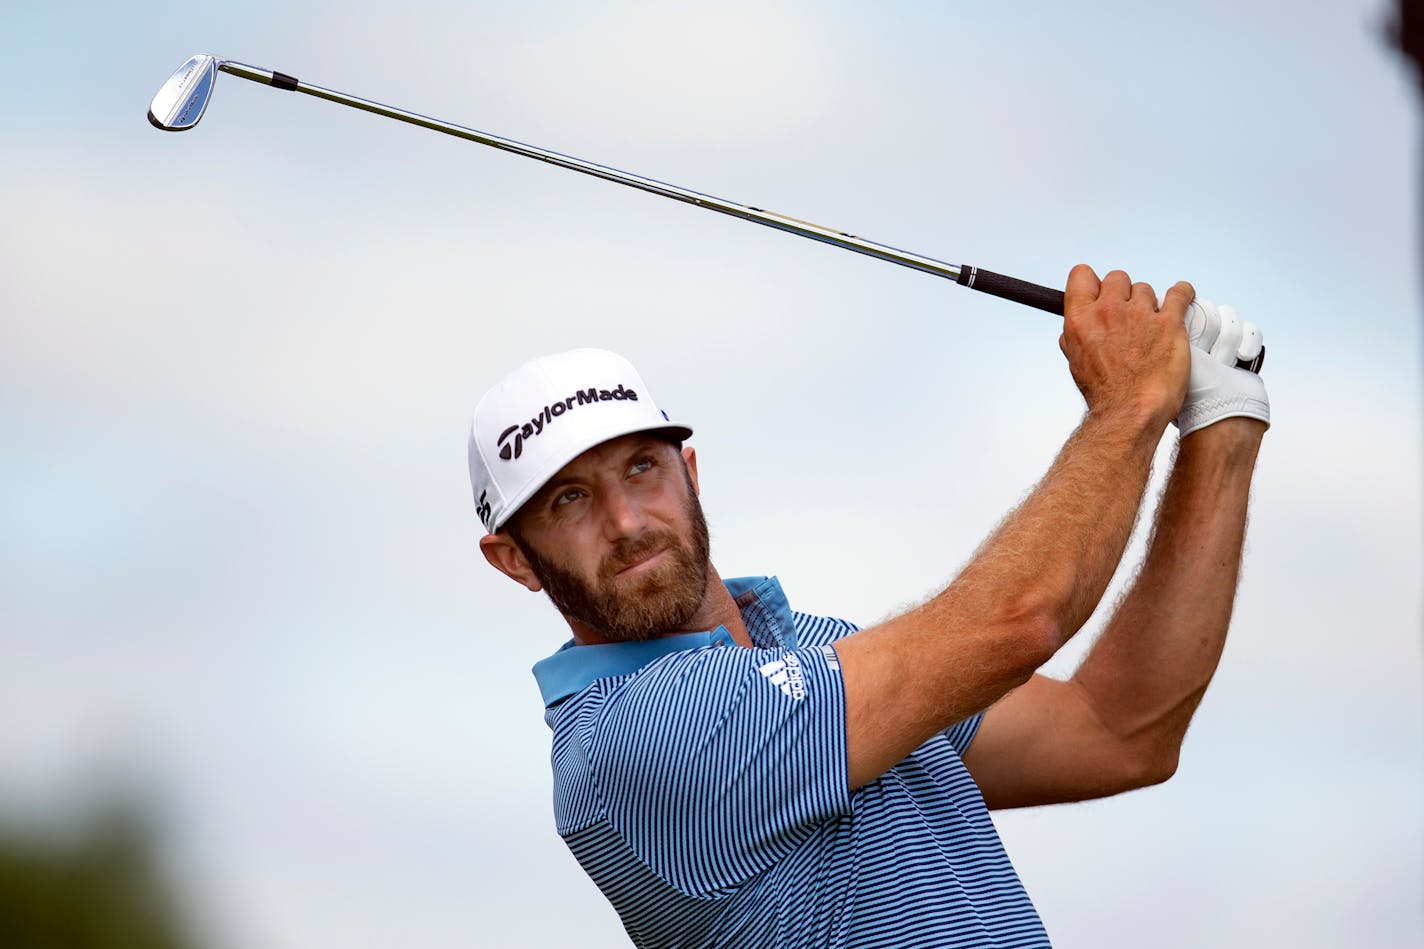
<point>574,668</point>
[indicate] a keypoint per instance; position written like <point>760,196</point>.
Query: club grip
<point>1046,298</point>
<point>1253,365</point>
<point>1011,288</point>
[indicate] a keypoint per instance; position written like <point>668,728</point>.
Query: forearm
<point>1055,554</point>
<point>1148,671</point>
<point>1026,590</point>
<point>1035,580</point>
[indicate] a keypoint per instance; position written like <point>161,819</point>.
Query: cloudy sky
<point>240,569</point>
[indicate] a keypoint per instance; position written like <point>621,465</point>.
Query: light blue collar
<point>573,668</point>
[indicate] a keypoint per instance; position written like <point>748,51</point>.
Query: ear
<point>689,458</point>
<point>505,556</point>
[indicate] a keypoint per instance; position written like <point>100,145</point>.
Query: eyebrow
<point>553,487</point>
<point>562,481</point>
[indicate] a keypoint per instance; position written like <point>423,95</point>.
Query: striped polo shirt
<point>703,787</point>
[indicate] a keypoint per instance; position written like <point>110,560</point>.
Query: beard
<point>657,601</point>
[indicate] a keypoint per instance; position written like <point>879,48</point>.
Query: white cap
<point>545,414</point>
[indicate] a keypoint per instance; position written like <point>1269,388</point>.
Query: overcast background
<point>240,572</point>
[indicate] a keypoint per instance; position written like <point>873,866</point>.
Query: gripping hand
<point>1216,389</point>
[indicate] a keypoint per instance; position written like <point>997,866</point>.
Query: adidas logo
<point>786,675</point>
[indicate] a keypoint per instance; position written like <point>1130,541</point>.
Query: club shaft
<point>177,99</point>
<point>781,222</point>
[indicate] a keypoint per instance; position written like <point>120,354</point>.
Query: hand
<point>1216,389</point>
<point>1125,353</point>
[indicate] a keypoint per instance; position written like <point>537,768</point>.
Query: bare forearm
<point>1147,673</point>
<point>1034,581</point>
<point>1027,589</point>
<point>1057,552</point>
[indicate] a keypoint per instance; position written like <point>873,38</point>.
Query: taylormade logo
<point>511,440</point>
<point>786,675</point>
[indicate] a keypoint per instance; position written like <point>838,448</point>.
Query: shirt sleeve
<point>961,734</point>
<point>714,763</point>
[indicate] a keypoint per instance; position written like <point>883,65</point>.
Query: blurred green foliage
<point>97,887</point>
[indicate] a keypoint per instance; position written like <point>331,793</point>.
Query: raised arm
<point>1038,577</point>
<point>1118,723</point>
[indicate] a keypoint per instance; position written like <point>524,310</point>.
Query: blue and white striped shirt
<point>703,787</point>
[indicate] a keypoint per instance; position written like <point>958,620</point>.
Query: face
<point>618,540</point>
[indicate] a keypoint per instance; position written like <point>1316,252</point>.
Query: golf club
<point>182,100</point>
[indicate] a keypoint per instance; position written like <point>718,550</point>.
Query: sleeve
<point>714,763</point>
<point>960,735</point>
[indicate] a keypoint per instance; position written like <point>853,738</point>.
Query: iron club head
<point>181,100</point>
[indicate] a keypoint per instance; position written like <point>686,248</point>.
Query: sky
<point>240,568</point>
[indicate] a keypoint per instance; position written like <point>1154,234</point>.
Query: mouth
<point>647,562</point>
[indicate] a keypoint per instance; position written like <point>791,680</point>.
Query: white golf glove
<point>1216,389</point>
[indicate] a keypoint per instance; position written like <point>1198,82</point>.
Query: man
<point>733,773</point>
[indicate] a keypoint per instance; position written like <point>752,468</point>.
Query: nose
<point>622,516</point>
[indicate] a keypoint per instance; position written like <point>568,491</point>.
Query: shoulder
<point>673,711</point>
<point>710,764</point>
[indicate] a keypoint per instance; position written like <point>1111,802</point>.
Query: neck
<point>717,609</point>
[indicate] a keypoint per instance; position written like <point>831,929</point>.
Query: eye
<point>640,466</point>
<point>567,497</point>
